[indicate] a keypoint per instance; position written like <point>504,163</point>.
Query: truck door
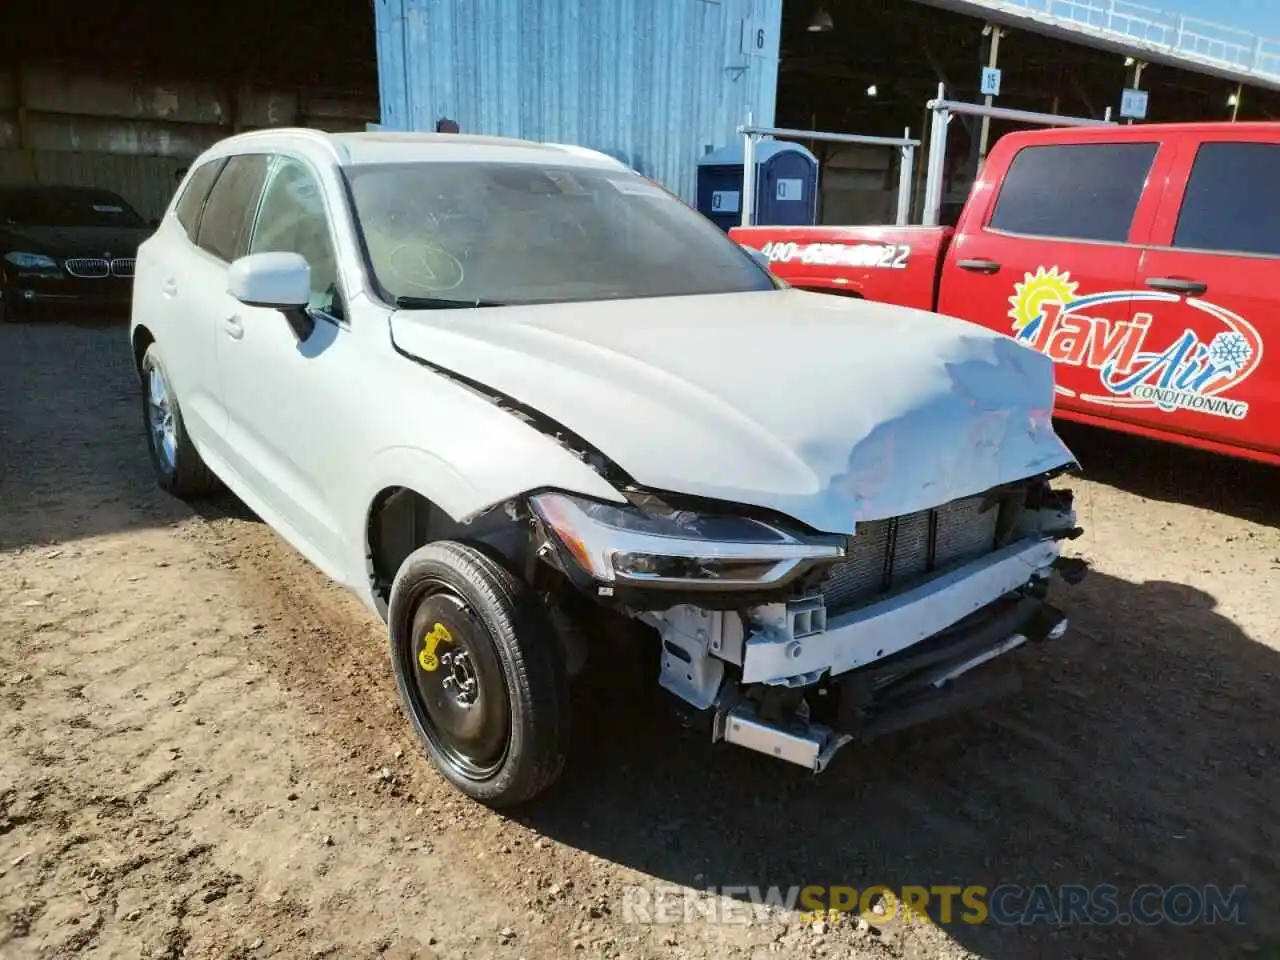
<point>1048,252</point>
<point>1214,259</point>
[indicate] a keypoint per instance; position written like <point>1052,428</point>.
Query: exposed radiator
<point>891,553</point>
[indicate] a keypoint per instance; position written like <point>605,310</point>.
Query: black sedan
<point>69,246</point>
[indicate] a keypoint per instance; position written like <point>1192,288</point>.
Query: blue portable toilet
<point>786,185</point>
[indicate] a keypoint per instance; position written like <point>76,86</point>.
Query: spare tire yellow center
<point>427,659</point>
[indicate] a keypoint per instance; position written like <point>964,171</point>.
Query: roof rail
<point>319,137</point>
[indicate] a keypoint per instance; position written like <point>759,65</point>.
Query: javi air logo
<point>1139,367</point>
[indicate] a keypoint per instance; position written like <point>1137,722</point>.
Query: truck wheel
<point>480,673</point>
<point>179,468</point>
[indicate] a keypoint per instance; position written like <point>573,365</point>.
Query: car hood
<point>827,409</point>
<point>74,241</point>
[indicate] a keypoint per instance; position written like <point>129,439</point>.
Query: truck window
<point>1232,200</point>
<point>1086,191</point>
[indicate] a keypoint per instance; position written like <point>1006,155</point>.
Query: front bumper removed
<point>923,683</point>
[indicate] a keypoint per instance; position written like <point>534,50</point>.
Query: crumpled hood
<point>830,410</point>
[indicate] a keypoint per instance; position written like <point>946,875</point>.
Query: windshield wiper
<point>442,303</point>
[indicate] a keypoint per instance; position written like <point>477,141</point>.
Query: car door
<point>1052,257</point>
<point>1215,257</point>
<point>200,295</point>
<point>168,300</point>
<point>283,393</point>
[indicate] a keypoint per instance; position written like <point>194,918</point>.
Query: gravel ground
<point>201,752</point>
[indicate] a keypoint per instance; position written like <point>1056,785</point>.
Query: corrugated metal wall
<point>133,136</point>
<point>651,82</point>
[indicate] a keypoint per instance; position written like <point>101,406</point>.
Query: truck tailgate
<point>890,264</point>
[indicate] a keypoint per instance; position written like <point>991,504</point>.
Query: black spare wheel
<point>480,673</point>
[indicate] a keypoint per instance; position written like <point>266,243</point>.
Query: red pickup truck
<point>1144,259</point>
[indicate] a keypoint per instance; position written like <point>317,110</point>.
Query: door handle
<point>978,266</point>
<point>233,326</point>
<point>169,288</point>
<point>1177,285</point>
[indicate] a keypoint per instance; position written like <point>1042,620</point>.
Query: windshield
<point>67,208</point>
<point>506,233</point>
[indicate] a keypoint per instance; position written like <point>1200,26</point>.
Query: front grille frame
<point>87,268</point>
<point>99,268</point>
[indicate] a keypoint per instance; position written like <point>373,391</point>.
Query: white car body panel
<point>158,297</point>
<point>844,411</point>
<point>267,414</point>
<point>312,466</point>
<point>829,410</point>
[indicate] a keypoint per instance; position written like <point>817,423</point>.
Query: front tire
<point>177,463</point>
<point>480,673</point>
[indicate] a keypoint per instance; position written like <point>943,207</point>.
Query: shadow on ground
<point>1176,474</point>
<point>73,456</point>
<point>1140,751</point>
<point>73,452</point>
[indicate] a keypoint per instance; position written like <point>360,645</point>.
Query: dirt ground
<point>202,755</point>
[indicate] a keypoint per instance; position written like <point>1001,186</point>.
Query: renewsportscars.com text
<point>1005,905</point>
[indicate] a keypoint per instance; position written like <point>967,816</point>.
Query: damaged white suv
<point>527,404</point>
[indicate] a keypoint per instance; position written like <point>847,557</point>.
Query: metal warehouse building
<point>655,83</point>
<point>125,97</point>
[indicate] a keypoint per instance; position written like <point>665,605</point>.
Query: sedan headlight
<point>624,544</point>
<point>31,261</point>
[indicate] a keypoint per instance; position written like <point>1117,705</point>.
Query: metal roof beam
<point>1039,19</point>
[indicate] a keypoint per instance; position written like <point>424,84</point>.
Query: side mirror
<point>278,281</point>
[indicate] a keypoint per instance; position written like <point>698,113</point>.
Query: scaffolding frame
<point>943,109</point>
<point>751,135</point>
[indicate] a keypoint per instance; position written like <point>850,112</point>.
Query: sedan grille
<point>88,268</point>
<point>96,268</point>
<point>887,554</point>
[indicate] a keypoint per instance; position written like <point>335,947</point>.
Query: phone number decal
<point>888,256</point>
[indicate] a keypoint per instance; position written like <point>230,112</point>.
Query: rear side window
<point>1086,191</point>
<point>1232,201</point>
<point>193,196</point>
<point>228,213</point>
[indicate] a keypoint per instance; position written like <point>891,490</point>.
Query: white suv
<point>526,404</point>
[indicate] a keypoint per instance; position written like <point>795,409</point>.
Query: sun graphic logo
<point>1037,289</point>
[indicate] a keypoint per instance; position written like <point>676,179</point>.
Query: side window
<point>193,196</point>
<point>1086,191</point>
<point>292,220</point>
<point>1232,201</point>
<point>228,213</point>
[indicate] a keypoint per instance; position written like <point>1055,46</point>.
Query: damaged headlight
<point>625,544</point>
